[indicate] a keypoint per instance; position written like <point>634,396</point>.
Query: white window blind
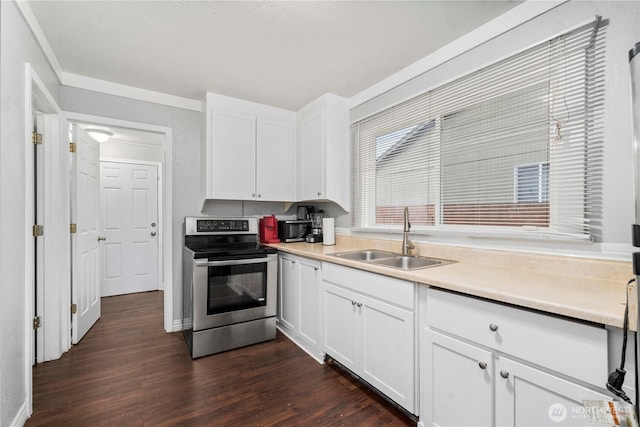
<point>515,145</point>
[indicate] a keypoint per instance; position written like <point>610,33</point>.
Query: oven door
<point>233,291</point>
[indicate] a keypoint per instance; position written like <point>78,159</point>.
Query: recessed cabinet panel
<point>310,296</point>
<point>388,350</point>
<point>341,325</point>
<point>233,156</point>
<point>288,293</point>
<point>312,167</point>
<point>526,396</point>
<point>276,161</point>
<point>459,379</point>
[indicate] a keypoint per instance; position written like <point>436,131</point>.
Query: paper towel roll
<point>328,231</point>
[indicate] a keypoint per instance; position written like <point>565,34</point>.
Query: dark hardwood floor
<point>128,372</point>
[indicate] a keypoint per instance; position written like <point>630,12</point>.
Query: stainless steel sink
<point>390,259</point>
<point>365,255</point>
<point>405,262</point>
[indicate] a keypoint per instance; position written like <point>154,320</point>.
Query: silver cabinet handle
<point>253,194</point>
<point>319,193</point>
<point>504,374</point>
<point>482,365</point>
<point>153,224</point>
<point>493,327</point>
<point>359,304</point>
<point>353,303</point>
<point>102,238</point>
<point>153,233</point>
<point>315,268</point>
<point>259,195</point>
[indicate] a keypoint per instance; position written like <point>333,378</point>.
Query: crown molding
<point>111,88</point>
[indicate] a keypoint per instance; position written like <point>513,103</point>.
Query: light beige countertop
<point>580,288</point>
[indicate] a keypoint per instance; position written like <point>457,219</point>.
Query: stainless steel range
<point>229,285</point>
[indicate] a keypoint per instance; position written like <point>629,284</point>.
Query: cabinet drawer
<point>385,288</point>
<point>572,348</point>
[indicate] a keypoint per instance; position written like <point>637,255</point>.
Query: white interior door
<point>85,252</point>
<point>129,218</point>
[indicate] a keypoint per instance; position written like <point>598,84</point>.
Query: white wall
<point>623,32</point>
<point>17,46</point>
<point>124,150</point>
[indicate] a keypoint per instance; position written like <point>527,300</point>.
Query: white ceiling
<point>283,54</point>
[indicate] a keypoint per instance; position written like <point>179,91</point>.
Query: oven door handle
<point>207,263</point>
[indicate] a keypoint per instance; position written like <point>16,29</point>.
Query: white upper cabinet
<point>323,151</point>
<point>249,151</point>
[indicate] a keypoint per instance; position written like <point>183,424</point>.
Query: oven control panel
<point>222,225</point>
<point>204,225</point>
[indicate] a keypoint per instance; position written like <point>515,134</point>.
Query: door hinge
<point>36,322</point>
<point>73,228</point>
<point>38,230</point>
<point>72,147</point>
<point>36,138</point>
<point>74,308</point>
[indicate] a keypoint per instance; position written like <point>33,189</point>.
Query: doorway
<point>141,143</point>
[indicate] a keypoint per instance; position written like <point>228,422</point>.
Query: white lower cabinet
<point>299,299</point>
<point>527,396</point>
<point>369,328</point>
<point>457,382</point>
<point>474,374</point>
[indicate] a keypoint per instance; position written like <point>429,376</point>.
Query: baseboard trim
<point>178,325</point>
<point>22,416</point>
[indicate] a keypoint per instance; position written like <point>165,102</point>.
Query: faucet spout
<point>407,246</point>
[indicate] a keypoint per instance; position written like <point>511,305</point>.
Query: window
<point>531,183</point>
<point>516,144</point>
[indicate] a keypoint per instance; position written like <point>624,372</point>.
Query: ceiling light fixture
<point>99,134</point>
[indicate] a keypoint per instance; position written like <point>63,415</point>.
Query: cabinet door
<point>526,396</point>
<point>233,156</point>
<point>456,382</point>
<point>311,158</point>
<point>310,297</point>
<point>276,161</point>
<point>288,295</point>
<point>340,325</point>
<point>388,349</point>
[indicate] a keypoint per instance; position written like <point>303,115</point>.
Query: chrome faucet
<point>407,246</point>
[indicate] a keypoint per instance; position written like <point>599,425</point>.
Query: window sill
<point>531,233</point>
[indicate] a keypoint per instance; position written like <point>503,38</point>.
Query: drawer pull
<point>482,365</point>
<point>359,304</point>
<point>353,303</point>
<point>493,327</point>
<point>504,374</point>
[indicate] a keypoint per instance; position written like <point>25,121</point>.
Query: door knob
<point>153,233</point>
<point>504,374</point>
<point>102,238</point>
<point>153,224</point>
<point>493,327</point>
<point>482,365</point>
